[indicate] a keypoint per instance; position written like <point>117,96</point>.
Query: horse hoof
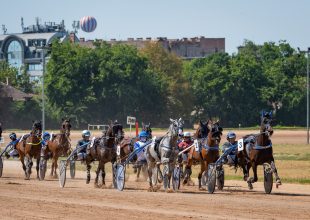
<point>151,189</point>
<point>278,183</point>
<point>169,191</point>
<point>96,185</point>
<point>250,186</point>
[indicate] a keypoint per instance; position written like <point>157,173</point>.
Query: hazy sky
<point>235,20</point>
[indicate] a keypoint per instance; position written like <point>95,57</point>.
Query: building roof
<point>7,91</point>
<point>26,36</point>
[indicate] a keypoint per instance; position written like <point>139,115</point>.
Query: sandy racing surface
<point>21,199</point>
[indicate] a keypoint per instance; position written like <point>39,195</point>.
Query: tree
<point>168,68</point>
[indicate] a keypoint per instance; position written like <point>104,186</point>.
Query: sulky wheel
<point>268,178</point>
<point>62,173</point>
<point>220,179</point>
<point>72,169</point>
<point>211,178</point>
<point>42,168</point>
<point>120,176</point>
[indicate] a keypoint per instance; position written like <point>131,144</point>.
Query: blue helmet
<point>231,134</point>
<point>46,136</point>
<point>143,134</point>
<point>12,136</point>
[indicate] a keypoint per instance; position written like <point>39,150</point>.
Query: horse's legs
<point>103,174</point>
<point>150,166</point>
<point>252,180</point>
<point>52,167</point>
<point>203,168</point>
<point>38,166</point>
<point>55,158</point>
<point>28,166</point>
<point>274,170</point>
<point>88,167</point>
<point>138,171</point>
<point>245,169</point>
<point>22,158</point>
<point>97,174</point>
<point>188,171</point>
<point>255,172</point>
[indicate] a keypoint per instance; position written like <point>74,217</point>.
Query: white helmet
<point>187,134</point>
<point>86,133</point>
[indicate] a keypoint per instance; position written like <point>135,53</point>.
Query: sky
<point>235,20</point>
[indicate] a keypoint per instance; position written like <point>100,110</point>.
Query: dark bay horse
<point>258,149</point>
<point>164,152</point>
<point>103,149</point>
<point>209,137</point>
<point>28,147</point>
<point>59,145</point>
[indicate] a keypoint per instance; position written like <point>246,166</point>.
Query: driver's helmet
<point>12,136</point>
<point>187,135</point>
<point>85,133</point>
<point>231,135</point>
<point>143,136</point>
<point>46,136</point>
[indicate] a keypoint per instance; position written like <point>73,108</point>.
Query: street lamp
<point>43,71</point>
<point>307,51</point>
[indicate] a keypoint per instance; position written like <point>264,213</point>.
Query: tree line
<point>107,82</point>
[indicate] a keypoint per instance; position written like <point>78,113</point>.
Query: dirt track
<point>21,199</point>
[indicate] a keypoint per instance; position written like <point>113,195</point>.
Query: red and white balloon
<point>88,23</point>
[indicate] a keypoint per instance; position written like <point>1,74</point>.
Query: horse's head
<point>66,126</point>
<point>215,132</point>
<point>147,128</point>
<point>176,126</point>
<point>266,123</point>
<point>202,130</point>
<point>116,131</point>
<point>37,128</point>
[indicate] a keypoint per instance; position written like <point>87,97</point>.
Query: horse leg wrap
<point>275,171</point>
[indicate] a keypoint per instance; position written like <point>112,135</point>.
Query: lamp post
<point>42,48</point>
<point>43,99</point>
<point>307,51</point>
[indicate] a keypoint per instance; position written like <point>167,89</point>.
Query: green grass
<point>297,152</point>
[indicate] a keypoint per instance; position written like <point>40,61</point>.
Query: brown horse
<point>28,147</point>
<point>103,149</point>
<point>59,145</point>
<point>209,137</point>
<point>258,150</point>
<point>127,147</point>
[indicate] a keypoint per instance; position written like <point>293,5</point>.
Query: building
<point>187,48</point>
<point>26,48</point>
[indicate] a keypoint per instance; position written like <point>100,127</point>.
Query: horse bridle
<point>267,124</point>
<point>37,131</point>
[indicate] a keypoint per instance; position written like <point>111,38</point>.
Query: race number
<point>196,145</point>
<point>118,150</point>
<point>240,144</point>
<point>131,120</point>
